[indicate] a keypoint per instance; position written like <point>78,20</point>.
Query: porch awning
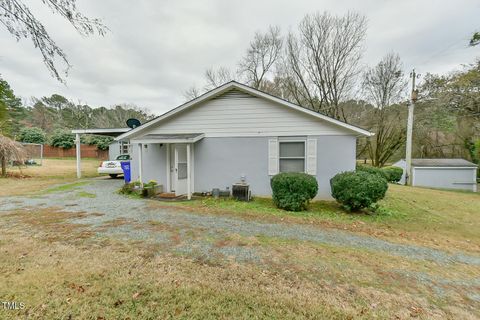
<point>169,138</point>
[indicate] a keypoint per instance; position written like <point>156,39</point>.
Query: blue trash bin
<point>126,171</point>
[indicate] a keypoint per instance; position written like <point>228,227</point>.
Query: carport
<point>114,132</point>
<point>442,173</point>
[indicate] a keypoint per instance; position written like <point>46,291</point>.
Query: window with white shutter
<point>312,156</point>
<point>272,157</point>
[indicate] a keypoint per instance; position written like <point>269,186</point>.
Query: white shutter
<point>312,156</point>
<point>272,157</point>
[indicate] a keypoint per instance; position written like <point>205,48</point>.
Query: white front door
<point>180,171</point>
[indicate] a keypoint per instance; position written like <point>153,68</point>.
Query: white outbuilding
<point>442,173</point>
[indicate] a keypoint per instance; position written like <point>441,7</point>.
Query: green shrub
<point>293,191</point>
<point>358,190</point>
<point>151,183</point>
<point>62,139</point>
<point>32,135</point>
<point>130,188</point>
<point>372,170</point>
<point>102,142</point>
<point>394,174</point>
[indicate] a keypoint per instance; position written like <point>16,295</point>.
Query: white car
<point>113,167</point>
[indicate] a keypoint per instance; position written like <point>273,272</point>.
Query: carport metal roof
<point>112,132</point>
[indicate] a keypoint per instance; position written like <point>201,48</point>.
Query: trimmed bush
<point>32,135</point>
<point>358,190</point>
<point>293,191</point>
<point>372,170</point>
<point>394,174</point>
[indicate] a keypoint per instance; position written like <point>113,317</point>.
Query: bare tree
<point>217,77</point>
<point>261,56</point>
<point>322,61</point>
<point>191,93</point>
<point>10,151</point>
<point>22,23</point>
<point>384,85</point>
<point>213,78</point>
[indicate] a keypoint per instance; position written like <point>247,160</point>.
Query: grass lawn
<point>51,172</point>
<point>64,270</point>
<point>445,219</point>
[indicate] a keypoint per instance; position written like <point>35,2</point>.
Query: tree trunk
<point>3,160</point>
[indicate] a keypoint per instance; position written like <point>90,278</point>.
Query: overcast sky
<point>158,49</point>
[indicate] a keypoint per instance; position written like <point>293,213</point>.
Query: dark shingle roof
<point>442,163</point>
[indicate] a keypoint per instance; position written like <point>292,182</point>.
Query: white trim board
<point>254,92</point>
<point>166,140</point>
<point>93,131</point>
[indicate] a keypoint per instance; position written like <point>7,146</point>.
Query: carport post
<point>78,154</point>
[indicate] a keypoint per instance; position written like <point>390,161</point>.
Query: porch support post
<point>168,186</point>
<point>78,155</point>
<point>189,187</point>
<point>140,163</point>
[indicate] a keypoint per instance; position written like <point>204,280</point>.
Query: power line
<point>441,51</point>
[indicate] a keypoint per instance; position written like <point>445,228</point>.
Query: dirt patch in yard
<point>115,223</point>
<point>53,224</point>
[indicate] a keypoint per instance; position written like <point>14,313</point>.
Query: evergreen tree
<point>11,111</point>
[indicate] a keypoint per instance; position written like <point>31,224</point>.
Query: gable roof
<point>442,163</point>
<point>254,92</point>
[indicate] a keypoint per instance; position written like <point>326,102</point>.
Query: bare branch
<point>261,56</point>
<point>191,93</point>
<point>324,59</point>
<point>217,77</point>
<point>22,23</point>
<point>384,85</point>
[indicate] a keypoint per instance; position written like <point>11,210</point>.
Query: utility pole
<point>408,153</point>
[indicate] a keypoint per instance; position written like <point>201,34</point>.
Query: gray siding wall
<point>220,162</point>
<point>113,150</point>
<point>335,154</point>
<point>454,178</point>
<point>154,160</point>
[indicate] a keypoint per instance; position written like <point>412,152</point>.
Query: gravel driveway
<point>115,215</point>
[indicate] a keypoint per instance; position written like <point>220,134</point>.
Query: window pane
<point>292,149</point>
<point>292,165</point>
<point>182,170</point>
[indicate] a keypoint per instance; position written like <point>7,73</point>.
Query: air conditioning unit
<point>241,192</point>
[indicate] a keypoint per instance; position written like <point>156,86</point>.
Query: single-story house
<point>442,173</point>
<point>237,134</point>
